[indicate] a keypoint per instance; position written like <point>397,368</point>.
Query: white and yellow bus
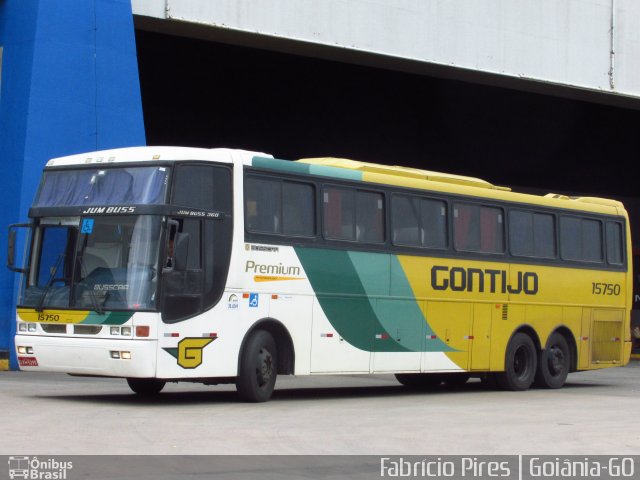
<point>160,264</point>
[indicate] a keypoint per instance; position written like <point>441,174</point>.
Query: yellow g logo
<point>189,351</point>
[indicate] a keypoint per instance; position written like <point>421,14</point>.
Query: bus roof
<point>434,181</point>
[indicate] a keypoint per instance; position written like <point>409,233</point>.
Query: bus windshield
<point>104,186</point>
<point>101,263</point>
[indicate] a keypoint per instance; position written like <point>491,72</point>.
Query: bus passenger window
<point>369,217</point>
<point>532,234</point>
<point>298,209</point>
<point>263,205</point>
<point>405,215</point>
<point>614,243</point>
<point>419,222</point>
<point>580,239</point>
<point>478,229</point>
<point>339,213</point>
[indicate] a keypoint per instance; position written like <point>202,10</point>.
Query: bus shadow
<point>192,397</point>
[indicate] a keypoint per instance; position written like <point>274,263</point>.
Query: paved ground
<point>595,413</point>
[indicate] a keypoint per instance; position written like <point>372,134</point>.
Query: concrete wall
<point>69,84</point>
<point>566,43</point>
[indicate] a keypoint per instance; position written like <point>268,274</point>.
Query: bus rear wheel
<point>520,364</point>
<point>258,368</point>
<point>146,387</point>
<point>419,380</point>
<point>554,363</point>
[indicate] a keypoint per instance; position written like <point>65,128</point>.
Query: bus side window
<point>339,213</point>
<point>580,239</point>
<point>369,217</point>
<point>615,247</point>
<point>263,205</point>
<point>478,228</point>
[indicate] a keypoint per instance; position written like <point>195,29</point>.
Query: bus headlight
<point>31,327</point>
<point>22,327</point>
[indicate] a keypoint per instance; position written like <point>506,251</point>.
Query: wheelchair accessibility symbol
<point>253,300</point>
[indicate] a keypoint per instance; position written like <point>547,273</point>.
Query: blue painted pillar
<point>68,84</point>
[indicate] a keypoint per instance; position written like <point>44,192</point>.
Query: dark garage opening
<point>207,94</point>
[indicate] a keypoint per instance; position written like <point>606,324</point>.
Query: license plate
<point>28,361</point>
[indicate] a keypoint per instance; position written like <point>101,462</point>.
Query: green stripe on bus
<point>356,300</point>
<point>305,168</point>
<point>107,318</point>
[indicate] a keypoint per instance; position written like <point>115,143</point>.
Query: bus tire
<point>554,363</point>
<point>419,380</point>
<point>146,387</point>
<point>258,368</point>
<point>520,364</point>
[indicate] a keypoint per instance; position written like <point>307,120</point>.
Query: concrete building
<point>536,94</point>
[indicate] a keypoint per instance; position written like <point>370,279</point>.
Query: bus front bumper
<point>86,356</point>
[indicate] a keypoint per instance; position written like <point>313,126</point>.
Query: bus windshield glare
<point>100,263</point>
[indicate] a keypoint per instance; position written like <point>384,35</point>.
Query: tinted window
<point>478,229</point>
<point>614,243</point>
<point>354,215</point>
<point>419,221</point>
<point>263,205</point>
<point>298,209</point>
<point>581,239</point>
<point>369,217</point>
<point>532,234</point>
<point>204,187</point>
<point>339,213</point>
<point>279,207</point>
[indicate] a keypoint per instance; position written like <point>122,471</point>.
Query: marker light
<point>142,331</point>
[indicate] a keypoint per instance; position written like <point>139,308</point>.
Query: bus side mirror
<point>11,247</point>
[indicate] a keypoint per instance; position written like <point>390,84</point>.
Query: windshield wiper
<point>49,283</point>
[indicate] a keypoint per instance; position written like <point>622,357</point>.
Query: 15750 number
<point>605,288</point>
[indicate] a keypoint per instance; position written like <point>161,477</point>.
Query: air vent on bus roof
<point>595,200</point>
<point>399,171</point>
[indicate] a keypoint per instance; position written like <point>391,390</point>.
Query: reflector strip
<point>468,337</point>
<point>382,336</point>
<point>210,335</point>
<point>584,339</point>
<point>615,339</point>
<point>326,335</point>
<point>432,337</point>
<point>274,297</point>
<point>171,335</point>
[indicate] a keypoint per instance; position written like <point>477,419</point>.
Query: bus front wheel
<point>554,363</point>
<point>520,364</point>
<point>146,387</point>
<point>258,368</point>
